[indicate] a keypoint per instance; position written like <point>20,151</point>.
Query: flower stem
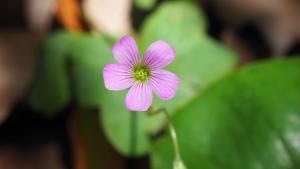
<point>178,163</point>
<point>133,133</point>
<point>173,134</point>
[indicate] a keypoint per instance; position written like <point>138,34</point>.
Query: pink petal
<point>126,51</point>
<point>164,84</point>
<point>117,77</point>
<point>159,54</point>
<point>139,97</point>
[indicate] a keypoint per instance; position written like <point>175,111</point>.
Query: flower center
<point>141,73</point>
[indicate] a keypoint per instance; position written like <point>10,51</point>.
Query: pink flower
<point>142,77</point>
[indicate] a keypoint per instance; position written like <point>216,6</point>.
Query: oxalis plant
<point>142,78</point>
<point>224,117</point>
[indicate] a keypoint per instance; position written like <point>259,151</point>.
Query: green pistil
<point>141,73</point>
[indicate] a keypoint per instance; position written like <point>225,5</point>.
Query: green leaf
<point>88,55</point>
<point>180,23</point>
<point>69,69</point>
<point>116,124</point>
<point>50,89</point>
<point>249,120</point>
<point>144,4</point>
<point>199,62</point>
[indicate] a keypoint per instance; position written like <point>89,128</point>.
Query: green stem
<point>133,133</point>
<point>172,132</point>
<point>173,135</point>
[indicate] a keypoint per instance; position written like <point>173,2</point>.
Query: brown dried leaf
<point>69,14</point>
<point>16,67</point>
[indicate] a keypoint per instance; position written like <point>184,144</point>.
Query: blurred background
<point>50,112</point>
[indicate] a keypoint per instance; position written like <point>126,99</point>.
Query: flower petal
<point>164,84</point>
<point>159,54</point>
<point>126,51</point>
<point>117,77</point>
<point>139,97</point>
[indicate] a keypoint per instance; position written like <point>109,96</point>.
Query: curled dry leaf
<point>109,16</point>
